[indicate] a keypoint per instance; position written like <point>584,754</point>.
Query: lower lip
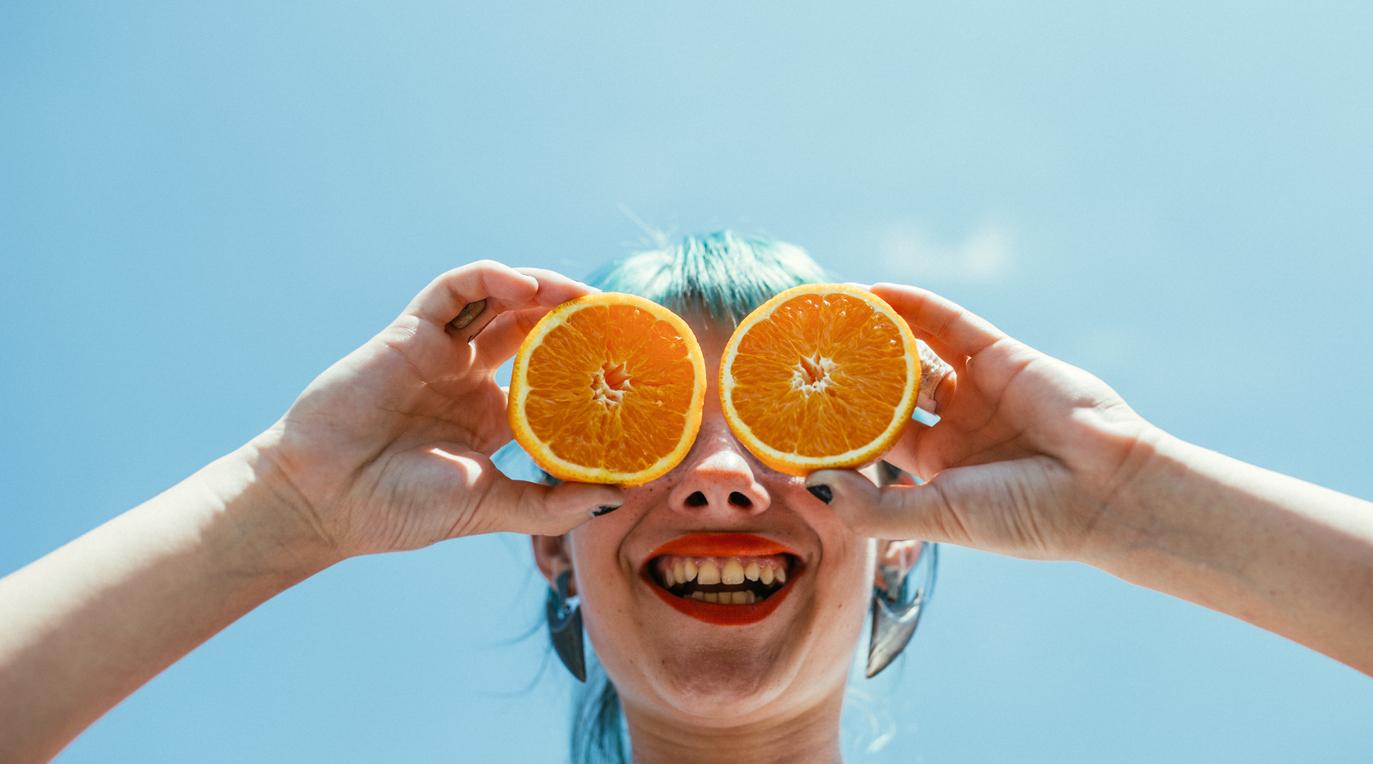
<point>717,614</point>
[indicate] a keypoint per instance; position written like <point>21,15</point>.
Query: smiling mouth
<point>721,580</point>
<point>724,579</point>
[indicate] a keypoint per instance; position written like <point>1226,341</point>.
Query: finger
<point>894,512</point>
<point>999,506</point>
<point>503,336</point>
<point>544,510</point>
<point>933,372</point>
<point>482,499</point>
<point>938,390</point>
<point>942,350</point>
<point>906,453</point>
<point>945,391</point>
<point>555,288</point>
<point>473,319</point>
<point>958,329</point>
<point>446,296</point>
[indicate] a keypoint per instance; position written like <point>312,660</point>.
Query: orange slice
<point>821,376</point>
<point>608,388</point>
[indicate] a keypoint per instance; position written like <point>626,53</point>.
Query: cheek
<point>844,592</point>
<point>600,580</point>
<point>829,628</point>
<point>847,586</point>
<point>605,579</point>
<point>847,560</point>
<point>604,585</point>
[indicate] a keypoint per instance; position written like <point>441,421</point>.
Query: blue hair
<point>724,274</point>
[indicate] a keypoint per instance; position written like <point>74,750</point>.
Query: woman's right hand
<point>1026,459</point>
<point>389,448</point>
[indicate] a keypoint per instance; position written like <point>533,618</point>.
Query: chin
<point>717,689</point>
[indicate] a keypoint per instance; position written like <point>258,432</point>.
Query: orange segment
<point>608,388</point>
<point>821,376</point>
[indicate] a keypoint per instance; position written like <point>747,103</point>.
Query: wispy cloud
<point>984,255</point>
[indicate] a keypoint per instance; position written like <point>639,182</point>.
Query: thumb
<point>893,512</point>
<point>535,508</point>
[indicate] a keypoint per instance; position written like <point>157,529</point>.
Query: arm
<point>387,450</point>
<point>1285,555</point>
<point>1036,458</point>
<point>91,622</point>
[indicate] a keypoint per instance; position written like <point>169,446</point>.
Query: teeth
<point>733,573</point>
<point>708,574</point>
<point>674,571</point>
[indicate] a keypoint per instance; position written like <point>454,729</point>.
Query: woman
<point>390,449</point>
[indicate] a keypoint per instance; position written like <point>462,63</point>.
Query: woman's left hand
<point>1026,459</point>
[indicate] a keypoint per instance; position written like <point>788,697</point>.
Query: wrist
<point>1127,501</point>
<point>278,526</point>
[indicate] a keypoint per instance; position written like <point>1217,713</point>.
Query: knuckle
<point>860,519</point>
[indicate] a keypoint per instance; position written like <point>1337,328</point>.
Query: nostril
<point>740,500</point>
<point>696,499</point>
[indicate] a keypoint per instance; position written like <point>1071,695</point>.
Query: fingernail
<point>927,418</point>
<point>468,314</point>
<point>821,492</point>
<point>604,509</point>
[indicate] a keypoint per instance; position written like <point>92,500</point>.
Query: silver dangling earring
<point>565,627</point>
<point>895,613</point>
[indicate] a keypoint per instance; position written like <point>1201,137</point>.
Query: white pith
<point>800,374</point>
<point>605,393</point>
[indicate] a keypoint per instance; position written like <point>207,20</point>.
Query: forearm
<point>88,624</point>
<point>1283,554</point>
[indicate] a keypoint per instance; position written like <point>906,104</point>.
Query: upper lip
<point>722,545</point>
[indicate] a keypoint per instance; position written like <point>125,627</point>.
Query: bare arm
<point>1036,458</point>
<point>389,449</point>
<point>90,623</point>
<point>1285,555</point>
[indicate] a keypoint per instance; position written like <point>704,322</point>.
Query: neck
<point>810,735</point>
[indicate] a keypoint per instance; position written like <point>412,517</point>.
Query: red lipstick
<point>721,545</point>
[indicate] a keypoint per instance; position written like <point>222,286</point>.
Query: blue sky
<point>203,205</point>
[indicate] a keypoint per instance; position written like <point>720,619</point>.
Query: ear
<point>902,555</point>
<point>552,556</point>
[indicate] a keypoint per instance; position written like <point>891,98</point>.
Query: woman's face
<point>717,664</point>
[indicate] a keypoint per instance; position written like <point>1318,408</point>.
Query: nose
<point>718,479</point>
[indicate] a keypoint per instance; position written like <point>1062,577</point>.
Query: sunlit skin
<point>688,684</point>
